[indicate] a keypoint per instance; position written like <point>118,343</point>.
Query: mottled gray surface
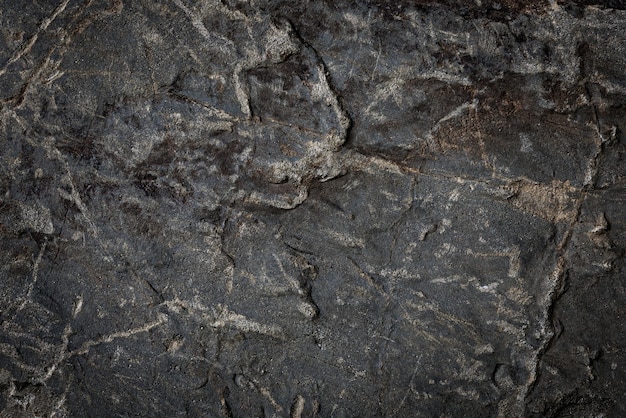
<point>318,208</point>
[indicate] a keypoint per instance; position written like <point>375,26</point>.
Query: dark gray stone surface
<point>319,208</point>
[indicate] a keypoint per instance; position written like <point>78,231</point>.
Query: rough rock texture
<point>314,208</point>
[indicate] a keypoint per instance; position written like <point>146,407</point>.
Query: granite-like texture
<point>319,208</point>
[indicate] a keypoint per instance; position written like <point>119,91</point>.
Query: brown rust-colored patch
<point>554,202</point>
<point>462,134</point>
<point>564,98</point>
<point>288,150</point>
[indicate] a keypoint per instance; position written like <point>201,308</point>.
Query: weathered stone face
<point>375,208</point>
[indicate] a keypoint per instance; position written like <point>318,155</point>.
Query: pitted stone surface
<point>269,208</point>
